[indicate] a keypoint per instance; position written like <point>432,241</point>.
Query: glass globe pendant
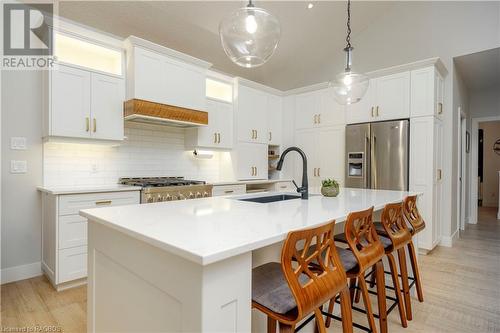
<point>349,87</point>
<point>249,36</point>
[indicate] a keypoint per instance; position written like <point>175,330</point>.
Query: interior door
<point>70,102</point>
<point>108,95</point>
<point>389,155</point>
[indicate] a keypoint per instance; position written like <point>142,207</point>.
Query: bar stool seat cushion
<point>380,228</point>
<point>386,241</point>
<point>347,258</point>
<point>270,289</point>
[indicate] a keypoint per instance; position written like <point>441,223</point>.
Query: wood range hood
<point>139,110</point>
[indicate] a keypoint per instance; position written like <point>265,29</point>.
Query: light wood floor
<point>461,291</point>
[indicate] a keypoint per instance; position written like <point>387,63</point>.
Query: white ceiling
<point>480,70</point>
<point>310,50</point>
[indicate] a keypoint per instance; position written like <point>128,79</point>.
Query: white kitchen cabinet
<point>160,78</point>
<point>84,104</point>
<point>274,119</point>
<point>251,115</point>
<point>427,87</point>
<point>69,106</point>
<point>426,142</point>
<point>387,98</point>
<point>233,189</point>
<point>108,94</point>
<point>64,233</point>
<point>251,161</point>
<point>325,150</point>
<point>219,131</point>
<point>318,109</point>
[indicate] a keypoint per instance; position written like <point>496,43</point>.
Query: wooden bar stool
<point>395,236</point>
<point>290,291</point>
<point>415,225</point>
<point>365,251</point>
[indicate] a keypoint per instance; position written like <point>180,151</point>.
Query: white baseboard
<point>448,241</point>
<point>17,273</point>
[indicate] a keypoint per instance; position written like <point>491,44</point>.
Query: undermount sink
<point>271,198</point>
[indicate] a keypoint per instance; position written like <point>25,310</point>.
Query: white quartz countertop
<point>253,181</point>
<point>208,230</point>
<point>76,189</point>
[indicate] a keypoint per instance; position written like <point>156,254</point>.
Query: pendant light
<point>249,36</point>
<point>349,86</point>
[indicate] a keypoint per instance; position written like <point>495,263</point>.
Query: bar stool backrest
<point>395,225</point>
<point>314,273</point>
<point>412,215</point>
<point>363,239</point>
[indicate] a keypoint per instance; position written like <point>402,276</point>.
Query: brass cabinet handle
<point>440,108</point>
<point>314,171</point>
<point>95,125</point>
<point>270,136</point>
<point>315,118</point>
<point>319,118</point>
<point>215,137</point>
<point>376,111</point>
<point>318,172</point>
<point>256,134</point>
<point>218,135</point>
<point>283,186</point>
<point>103,202</point>
<point>372,112</point>
<point>256,171</point>
<point>87,124</point>
<point>440,174</point>
<point>252,172</point>
<point>229,191</point>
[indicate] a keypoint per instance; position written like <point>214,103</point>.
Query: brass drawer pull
<point>215,137</point>
<point>87,124</point>
<point>229,191</point>
<point>440,108</point>
<point>95,125</point>
<point>103,202</point>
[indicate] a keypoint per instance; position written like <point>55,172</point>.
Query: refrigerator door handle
<point>366,164</point>
<point>373,164</point>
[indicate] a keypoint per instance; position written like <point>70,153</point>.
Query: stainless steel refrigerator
<point>377,155</point>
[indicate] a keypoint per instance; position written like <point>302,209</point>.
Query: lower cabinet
<point>64,233</point>
<point>220,190</point>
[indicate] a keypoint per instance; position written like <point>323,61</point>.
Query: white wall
<point>21,212</point>
<point>419,30</point>
<point>149,151</point>
<point>485,103</point>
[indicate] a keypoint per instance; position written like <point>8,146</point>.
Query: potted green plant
<point>330,188</point>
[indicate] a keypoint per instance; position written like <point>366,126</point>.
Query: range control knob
<point>199,195</point>
<point>206,194</point>
<point>191,195</point>
<point>150,199</point>
<point>182,196</point>
<point>158,198</point>
<point>168,197</point>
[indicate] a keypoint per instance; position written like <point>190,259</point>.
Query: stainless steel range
<point>157,189</point>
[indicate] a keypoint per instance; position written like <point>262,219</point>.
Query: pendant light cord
<point>348,38</point>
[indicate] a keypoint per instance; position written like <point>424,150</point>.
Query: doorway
<point>485,166</point>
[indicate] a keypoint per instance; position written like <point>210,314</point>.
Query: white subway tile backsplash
<point>148,151</point>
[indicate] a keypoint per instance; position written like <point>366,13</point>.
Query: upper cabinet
<point>162,75</point>
<point>274,119</point>
<point>388,97</point>
<point>84,104</point>
<point>252,106</point>
<point>427,87</point>
<point>318,109</point>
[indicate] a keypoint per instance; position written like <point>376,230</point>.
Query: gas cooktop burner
<point>159,181</point>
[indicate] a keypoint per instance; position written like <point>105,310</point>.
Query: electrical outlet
<point>18,166</point>
<point>18,143</point>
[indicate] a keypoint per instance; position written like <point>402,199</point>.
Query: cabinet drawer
<point>72,204</point>
<point>228,190</point>
<point>72,231</point>
<point>72,264</point>
<point>284,187</point>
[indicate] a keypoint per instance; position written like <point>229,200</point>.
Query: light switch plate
<point>18,166</point>
<point>18,143</point>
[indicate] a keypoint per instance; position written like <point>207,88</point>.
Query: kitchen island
<point>185,266</point>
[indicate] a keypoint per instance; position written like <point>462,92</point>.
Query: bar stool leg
<point>414,268</point>
<point>382,304</point>
<point>284,328</point>
<point>320,323</point>
<point>404,279</point>
<point>271,325</point>
<point>397,289</point>
<point>368,305</point>
<point>346,311</point>
<point>330,310</point>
